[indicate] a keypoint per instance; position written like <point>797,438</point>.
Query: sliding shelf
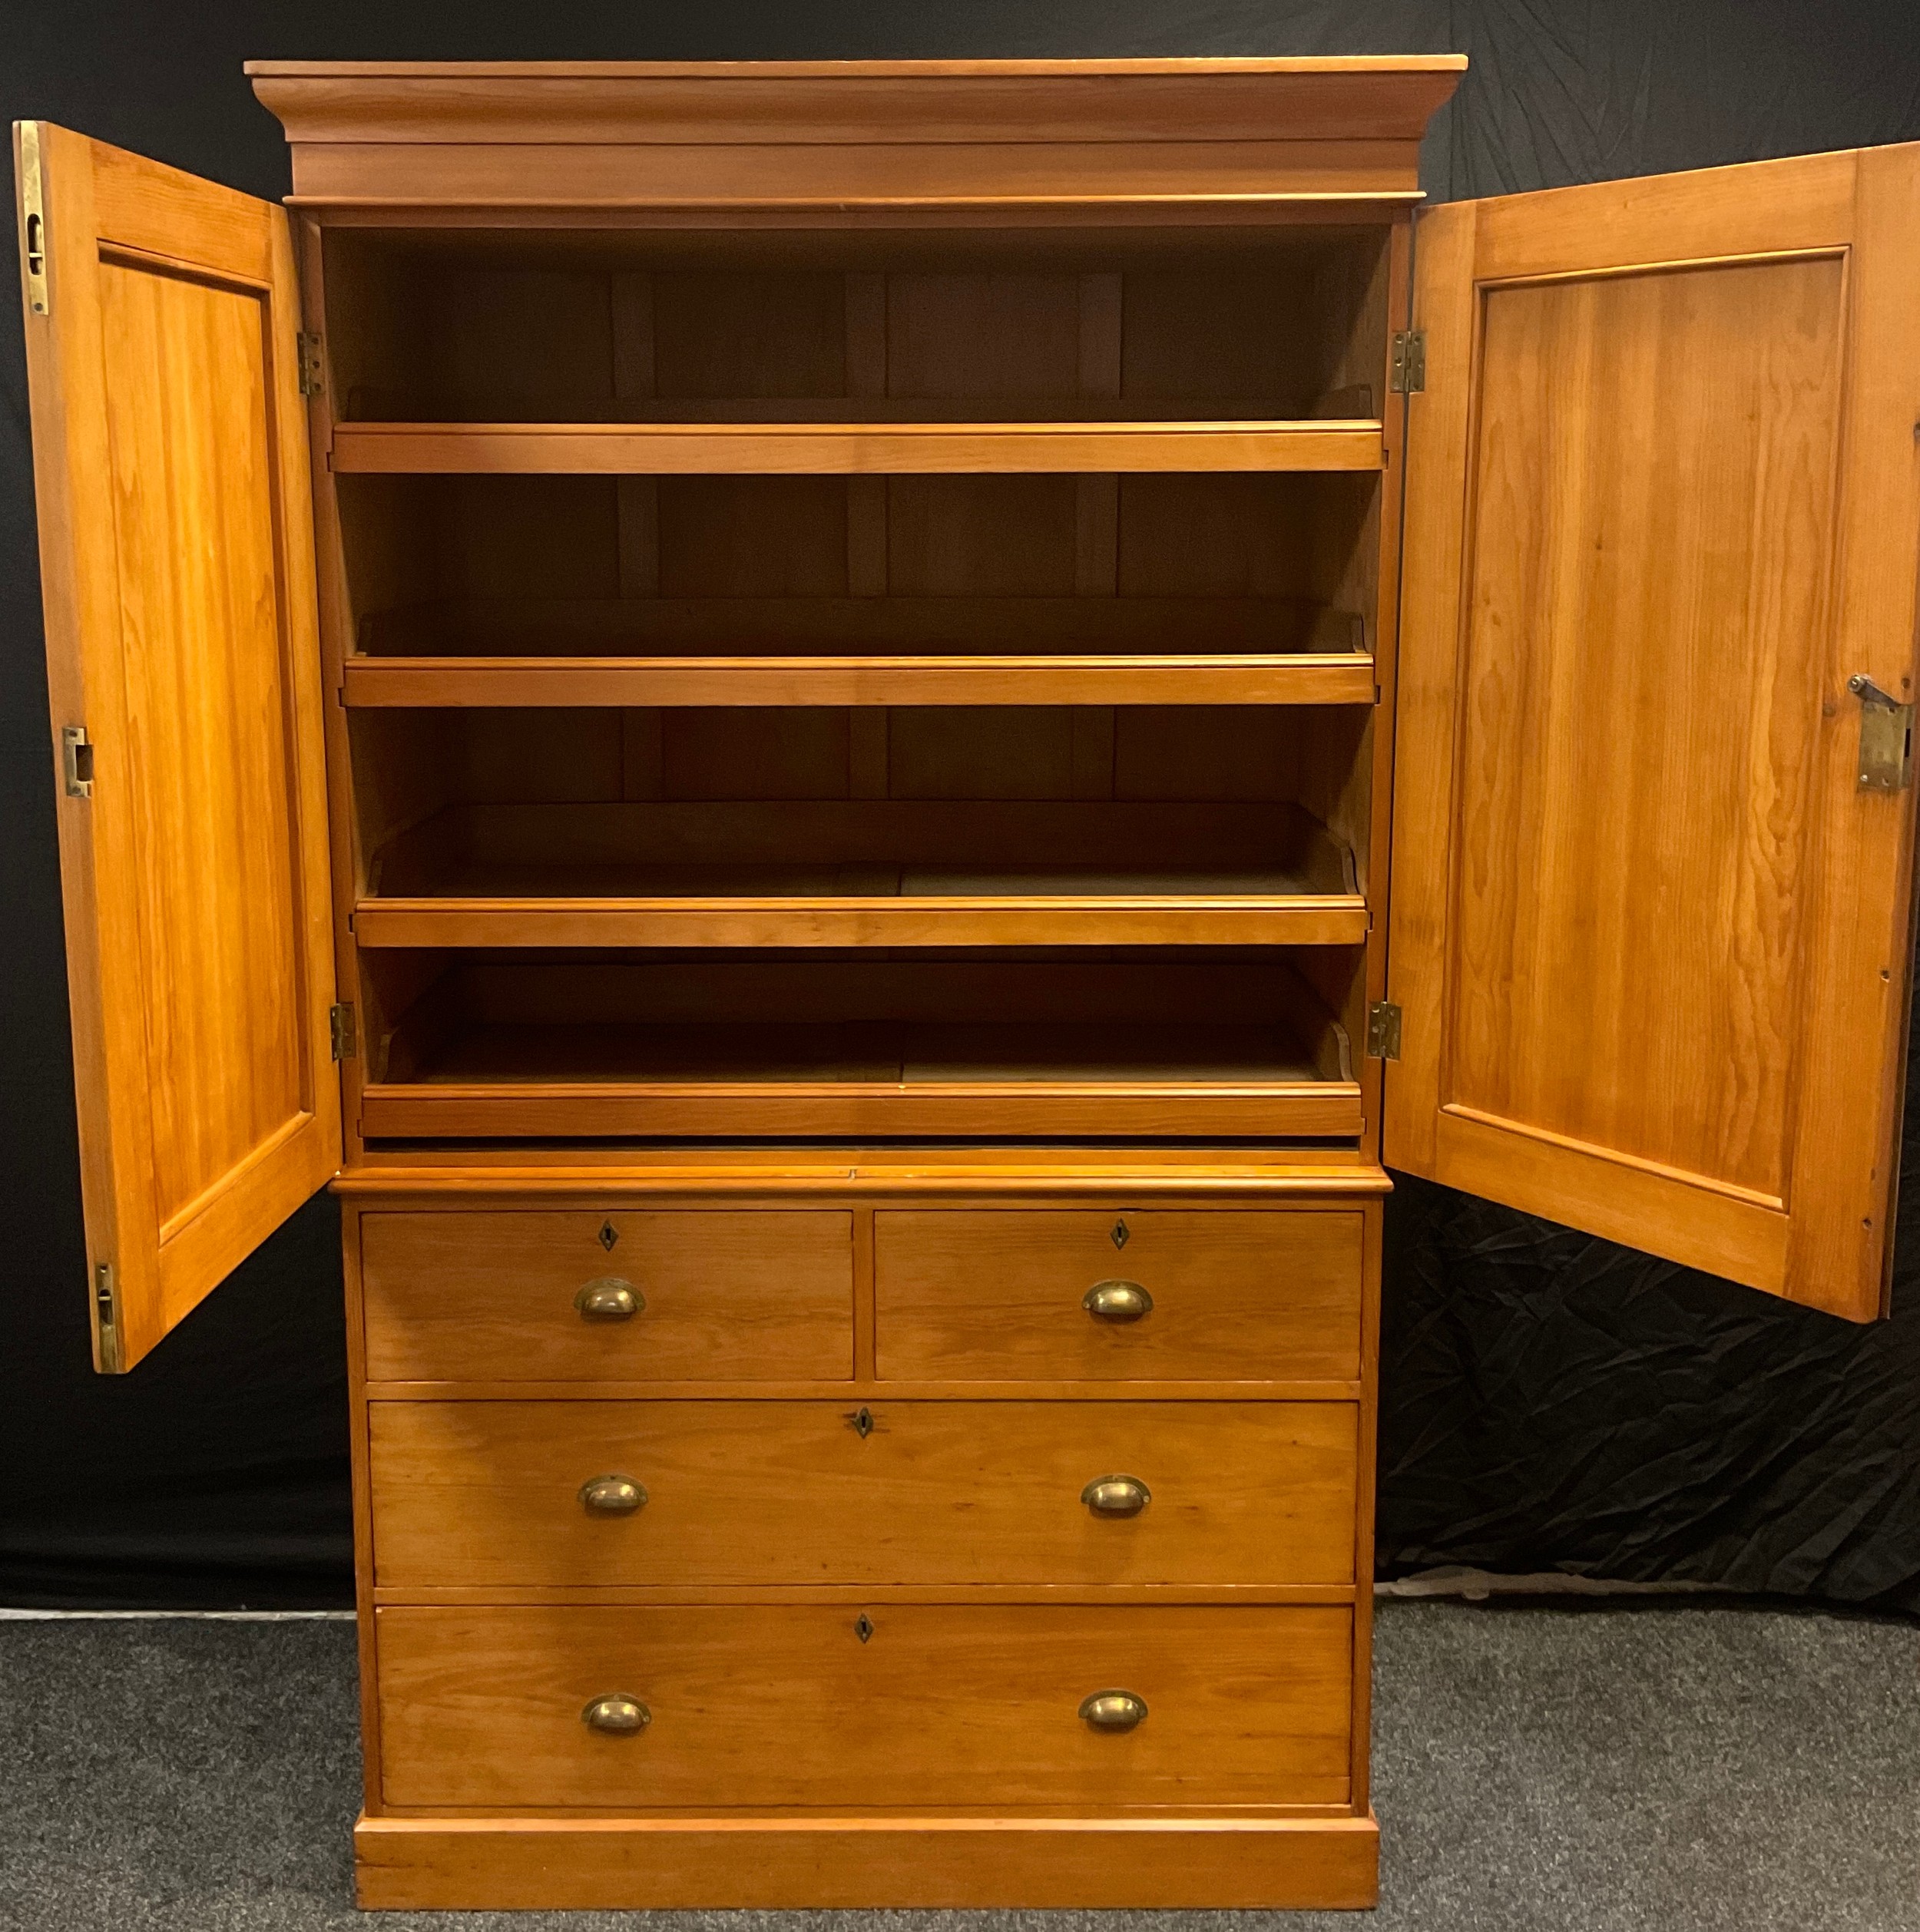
<point>598,1081</point>
<point>1337,677</point>
<point>923,912</point>
<point>867,873</point>
<point>850,449</point>
<point>859,650</point>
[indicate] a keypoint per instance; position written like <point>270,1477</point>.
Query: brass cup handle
<point>1117,1301</point>
<point>617,1714</point>
<point>609,1299</point>
<point>1114,1710</point>
<point>612,1496</point>
<point>1116,1496</point>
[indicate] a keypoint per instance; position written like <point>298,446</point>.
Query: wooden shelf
<point>1345,677</point>
<point>849,448</point>
<point>1025,913</point>
<point>858,650</point>
<point>600,1081</point>
<point>868,873</point>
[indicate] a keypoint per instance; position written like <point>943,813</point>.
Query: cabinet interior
<point>989,916</point>
<point>735,565</point>
<point>550,325</point>
<point>562,801</point>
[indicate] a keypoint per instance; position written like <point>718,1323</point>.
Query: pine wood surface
<point>479,1493</point>
<point>165,411</point>
<point>746,1296</point>
<point>854,1596</point>
<point>986,1295</point>
<point>790,1706</point>
<point>570,1084</point>
<point>858,449</point>
<point>997,138</point>
<point>1002,678</point>
<point>1120,1175</point>
<point>608,1863</point>
<point>1620,952</point>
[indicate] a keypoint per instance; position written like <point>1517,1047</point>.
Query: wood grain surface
<point>1628,816</point>
<point>792,1706</point>
<point>793,1492</point>
<point>989,1294</point>
<point>177,559</point>
<point>426,1864</point>
<point>741,1296</point>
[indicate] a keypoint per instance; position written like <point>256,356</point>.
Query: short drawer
<point>586,1296</point>
<point>486,1494</point>
<point>932,1705</point>
<point>1081,1295</point>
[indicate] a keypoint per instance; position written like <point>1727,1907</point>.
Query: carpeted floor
<point>1596,1768</point>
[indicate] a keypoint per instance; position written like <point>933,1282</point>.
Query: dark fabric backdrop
<point>1548,1401</point>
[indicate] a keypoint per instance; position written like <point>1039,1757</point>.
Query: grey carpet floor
<point>1597,1767</point>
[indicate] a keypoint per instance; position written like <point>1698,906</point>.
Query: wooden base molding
<point>614,1864</point>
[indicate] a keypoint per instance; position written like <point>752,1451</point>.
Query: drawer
<point>1006,1294</point>
<point>484,1494</point>
<point>488,1297</point>
<point>938,1706</point>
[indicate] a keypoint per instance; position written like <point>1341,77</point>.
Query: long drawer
<point>1046,1294</point>
<point>627,1296</point>
<point>582,1492</point>
<point>898,1706</point>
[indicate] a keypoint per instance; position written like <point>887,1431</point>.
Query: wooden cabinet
<point>770,709</point>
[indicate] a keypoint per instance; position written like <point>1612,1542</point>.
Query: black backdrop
<point>1549,1401</point>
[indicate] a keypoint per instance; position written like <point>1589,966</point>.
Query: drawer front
<point>938,1706</point>
<point>481,1493</point>
<point>1166,1294</point>
<point>547,1297</point>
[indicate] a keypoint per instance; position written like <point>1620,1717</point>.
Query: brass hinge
<point>1886,738</point>
<point>106,1320</point>
<point>77,761</point>
<point>1408,376</point>
<point>1383,1030</point>
<point>33,208</point>
<point>346,1040</point>
<point>313,376</point>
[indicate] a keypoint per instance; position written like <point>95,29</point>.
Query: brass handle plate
<point>609,1299</point>
<point>617,1714</point>
<point>1114,1710</point>
<point>612,1496</point>
<point>1117,1301</point>
<point>1116,1496</point>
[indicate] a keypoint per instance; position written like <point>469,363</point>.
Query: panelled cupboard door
<point>1650,931</point>
<point>176,561</point>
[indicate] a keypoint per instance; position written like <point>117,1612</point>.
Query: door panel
<point>170,452</point>
<point>1649,937</point>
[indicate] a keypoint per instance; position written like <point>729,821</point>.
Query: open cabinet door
<point>1652,838</point>
<point>176,567</point>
